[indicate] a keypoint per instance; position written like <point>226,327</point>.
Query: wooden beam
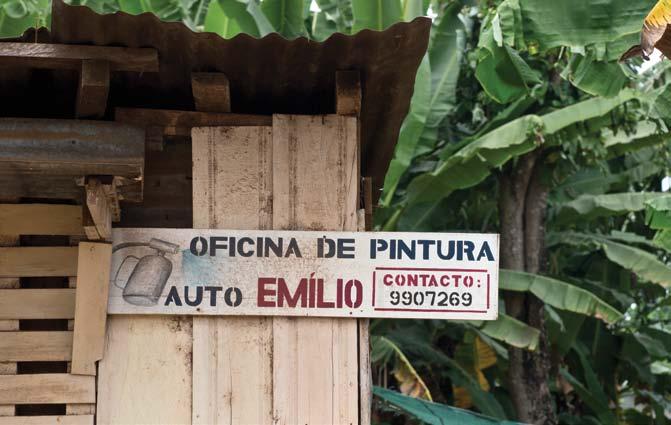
<point>46,388</point>
<point>180,123</point>
<point>40,219</point>
<point>93,277</point>
<point>31,261</point>
<point>47,420</point>
<point>94,83</point>
<point>348,93</point>
<point>99,208</point>
<point>211,92</point>
<point>44,158</point>
<point>37,303</point>
<point>39,346</point>
<point>70,56</point>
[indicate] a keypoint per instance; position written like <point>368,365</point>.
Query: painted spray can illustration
<point>150,274</point>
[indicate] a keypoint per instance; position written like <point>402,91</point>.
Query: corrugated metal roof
<point>267,75</point>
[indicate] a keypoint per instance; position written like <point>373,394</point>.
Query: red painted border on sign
<point>417,269</point>
<point>414,310</point>
<point>419,310</point>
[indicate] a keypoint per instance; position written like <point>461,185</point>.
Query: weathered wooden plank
<point>99,209</point>
<point>315,187</point>
<point>40,346</point>
<point>67,56</point>
<point>46,388</point>
<point>93,276</point>
<point>8,368</point>
<point>37,303</point>
<point>40,219</point>
<point>180,123</point>
<point>47,420</point>
<point>93,88</point>
<point>38,261</point>
<point>348,93</point>
<point>211,91</point>
<point>145,374</point>
<point>232,357</point>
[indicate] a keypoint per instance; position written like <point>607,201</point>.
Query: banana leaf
<point>576,23</point>
<point>434,96</point>
<point>411,384</point>
<point>285,16</point>
<point>472,164</point>
<point>433,413</point>
<point>509,330</point>
<point>588,207</point>
<point>596,77</point>
<point>643,263</point>
<point>233,17</point>
<point>658,213</point>
<point>419,348</point>
<point>375,14</point>
<point>602,411</point>
<point>559,294</point>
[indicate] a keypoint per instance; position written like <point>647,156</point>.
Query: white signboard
<point>292,273</point>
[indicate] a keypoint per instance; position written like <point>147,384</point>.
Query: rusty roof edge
<point>59,6</point>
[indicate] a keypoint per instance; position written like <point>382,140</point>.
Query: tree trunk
<point>522,208</point>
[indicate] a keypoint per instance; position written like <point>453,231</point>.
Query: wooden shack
<point>126,121</point>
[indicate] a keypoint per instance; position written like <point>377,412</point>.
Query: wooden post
<point>94,80</point>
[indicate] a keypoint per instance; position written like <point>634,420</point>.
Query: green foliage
<point>433,413</point>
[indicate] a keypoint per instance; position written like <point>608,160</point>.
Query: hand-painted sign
<point>293,273</point>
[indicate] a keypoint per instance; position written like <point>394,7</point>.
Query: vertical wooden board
<point>93,276</point>
<point>232,357</point>
<point>145,374</point>
<point>315,187</point>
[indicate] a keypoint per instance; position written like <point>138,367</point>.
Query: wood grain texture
<point>38,346</point>
<point>8,368</point>
<point>40,219</point>
<point>38,261</point>
<point>211,91</point>
<point>166,122</point>
<point>64,56</point>
<point>145,374</point>
<point>348,93</point>
<point>46,388</point>
<point>93,277</point>
<point>315,187</point>
<point>232,357</point>
<point>57,303</point>
<point>47,420</point>
<point>93,88</point>
<point>99,208</point>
